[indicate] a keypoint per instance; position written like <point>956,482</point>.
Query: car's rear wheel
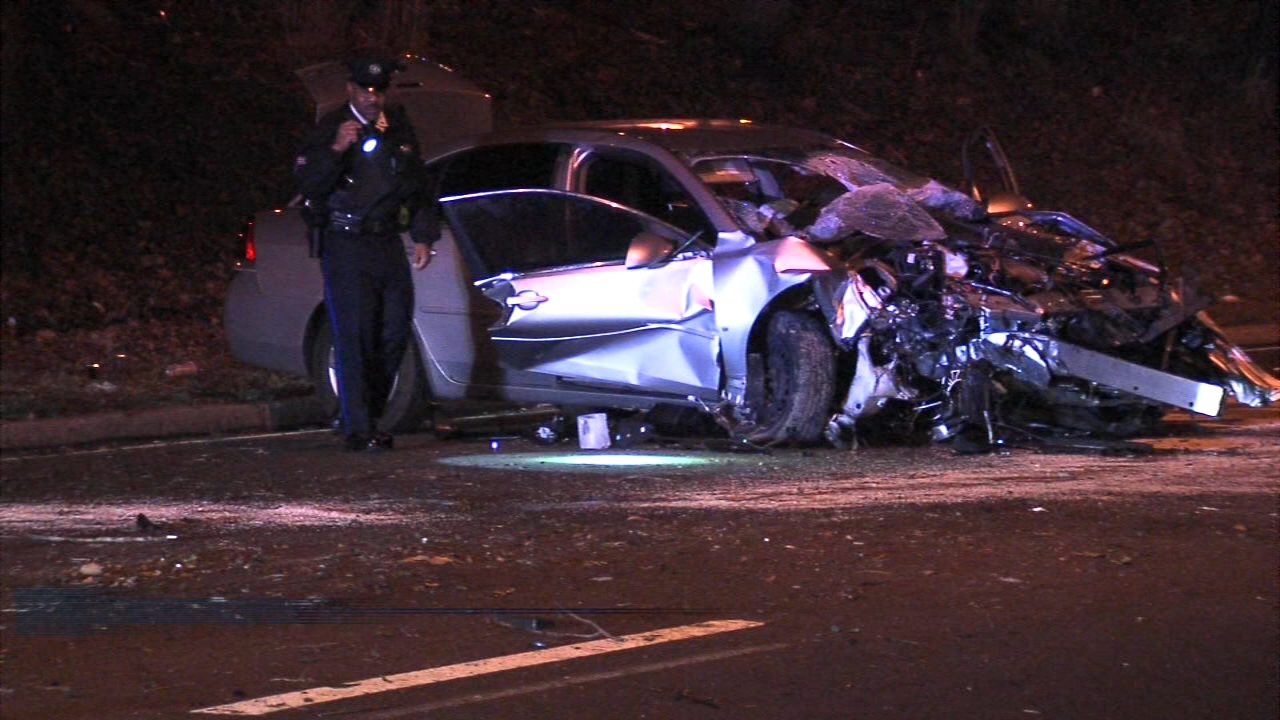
<point>410,400</point>
<point>790,380</point>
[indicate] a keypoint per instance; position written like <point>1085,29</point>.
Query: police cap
<point>373,71</point>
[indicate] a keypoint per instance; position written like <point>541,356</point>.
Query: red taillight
<point>250,250</point>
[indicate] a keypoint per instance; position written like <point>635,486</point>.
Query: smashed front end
<point>1020,326</point>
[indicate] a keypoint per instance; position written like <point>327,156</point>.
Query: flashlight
<point>369,138</point>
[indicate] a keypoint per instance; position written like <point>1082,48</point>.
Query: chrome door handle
<point>526,300</point>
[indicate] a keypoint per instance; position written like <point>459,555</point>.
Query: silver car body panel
<point>753,278</point>
<point>263,331</point>
<point>1070,360</point>
<point>272,300</point>
<point>448,320</point>
<point>643,327</point>
<point>280,275</point>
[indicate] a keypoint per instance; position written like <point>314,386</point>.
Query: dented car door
<point>572,310</point>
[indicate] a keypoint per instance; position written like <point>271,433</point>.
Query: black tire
<point>791,397</point>
<point>410,401</point>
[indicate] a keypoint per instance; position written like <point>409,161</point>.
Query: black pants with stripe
<point>369,293</point>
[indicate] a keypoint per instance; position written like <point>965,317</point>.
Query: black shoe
<point>383,440</point>
<point>364,443</point>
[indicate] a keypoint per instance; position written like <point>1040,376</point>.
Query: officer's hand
<point>348,133</point>
<point>422,253</point>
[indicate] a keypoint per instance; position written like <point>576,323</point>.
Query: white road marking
<point>304,698</point>
<point>419,710</point>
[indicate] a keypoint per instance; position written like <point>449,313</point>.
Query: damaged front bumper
<point>1065,359</point>
<point>1251,385</point>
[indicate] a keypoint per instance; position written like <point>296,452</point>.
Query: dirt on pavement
<point>893,582</point>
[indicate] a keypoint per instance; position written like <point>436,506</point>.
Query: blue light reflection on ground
<point>584,460</point>
<point>616,460</point>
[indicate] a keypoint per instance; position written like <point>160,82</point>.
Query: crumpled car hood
<point>881,211</point>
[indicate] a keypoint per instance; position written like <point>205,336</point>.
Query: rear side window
<point>500,167</point>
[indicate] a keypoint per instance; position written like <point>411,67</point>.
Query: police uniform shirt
<point>371,185</point>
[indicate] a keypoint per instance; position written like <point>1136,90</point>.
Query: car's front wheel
<point>790,380</point>
<point>410,401</point>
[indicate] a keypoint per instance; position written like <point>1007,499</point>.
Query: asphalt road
<point>278,575</point>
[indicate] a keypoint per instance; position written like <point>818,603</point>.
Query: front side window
<point>527,230</point>
<point>499,167</point>
<point>638,184</point>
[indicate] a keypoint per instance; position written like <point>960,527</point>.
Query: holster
<point>315,240</point>
<point>315,215</point>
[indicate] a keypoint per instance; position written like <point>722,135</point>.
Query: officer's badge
<point>375,69</point>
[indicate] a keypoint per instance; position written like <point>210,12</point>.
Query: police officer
<point>363,180</point>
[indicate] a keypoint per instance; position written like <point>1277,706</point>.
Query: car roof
<point>688,137</point>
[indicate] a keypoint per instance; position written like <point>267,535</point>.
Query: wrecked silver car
<point>781,281</point>
<point>986,321</point>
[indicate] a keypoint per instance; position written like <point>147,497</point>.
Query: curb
<point>163,422</point>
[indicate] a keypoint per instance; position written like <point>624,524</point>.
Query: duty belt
<point>351,223</point>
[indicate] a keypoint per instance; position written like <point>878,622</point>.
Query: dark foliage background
<point>138,135</point>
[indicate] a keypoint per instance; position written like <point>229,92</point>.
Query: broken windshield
<point>825,195</point>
